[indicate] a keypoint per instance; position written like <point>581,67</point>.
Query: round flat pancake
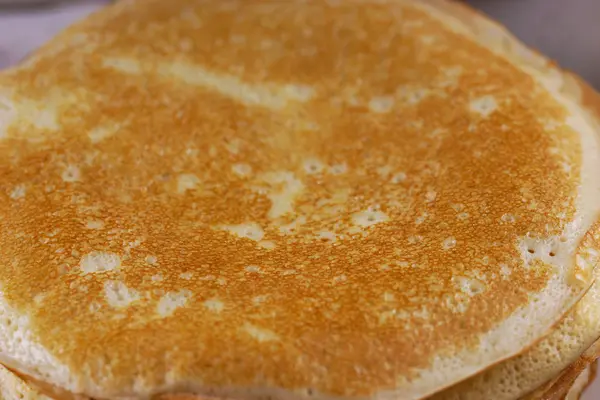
<point>287,200</point>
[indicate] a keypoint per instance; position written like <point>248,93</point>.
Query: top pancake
<point>286,199</point>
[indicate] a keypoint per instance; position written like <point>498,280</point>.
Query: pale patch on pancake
<point>367,218</point>
<point>381,104</point>
<point>94,224</point>
<point>129,66</point>
<point>388,297</point>
<point>260,334</point>
<point>268,95</point>
<point>214,305</point>
<point>327,235</point>
<point>44,117</point>
<point>71,173</point>
<point>283,191</point>
<point>118,295</point>
<point>187,182</point>
<point>252,269</point>
<point>484,105</point>
<point>241,170</point>
<point>505,270</point>
<point>412,95</point>
<point>39,298</point>
<point>469,286</point>
<point>430,196</point>
<point>250,230</point>
<point>451,76</point>
<point>267,244</point>
<point>18,192</point>
<point>99,261</point>
<point>449,243</point>
<point>186,275</point>
<point>301,93</point>
<point>171,301</point>
<point>99,133</point>
<point>399,177</point>
<point>151,259</point>
<point>40,115</point>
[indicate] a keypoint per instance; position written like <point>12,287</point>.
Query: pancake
<point>288,200</point>
<point>583,381</point>
<point>570,346</point>
<point>573,391</point>
<point>571,378</point>
<point>14,388</point>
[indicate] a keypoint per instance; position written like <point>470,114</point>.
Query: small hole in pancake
<point>551,254</point>
<point>531,251</point>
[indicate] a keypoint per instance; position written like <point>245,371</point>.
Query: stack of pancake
<point>324,199</point>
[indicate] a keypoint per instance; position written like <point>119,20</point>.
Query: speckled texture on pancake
<point>286,200</point>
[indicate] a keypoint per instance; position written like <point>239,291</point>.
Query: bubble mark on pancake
<point>469,286</point>
<point>449,243</point>
<point>484,105</point>
<point>172,301</point>
<point>71,174</point>
<point>313,166</point>
<point>251,230</point>
<point>118,295</point>
<point>369,218</point>
<point>99,261</point>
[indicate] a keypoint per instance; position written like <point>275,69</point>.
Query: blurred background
<point>568,31</point>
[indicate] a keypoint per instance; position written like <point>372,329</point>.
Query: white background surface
<point>566,30</point>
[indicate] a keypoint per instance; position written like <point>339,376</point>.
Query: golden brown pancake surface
<point>282,198</point>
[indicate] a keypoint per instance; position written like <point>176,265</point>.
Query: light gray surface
<point>566,30</point>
